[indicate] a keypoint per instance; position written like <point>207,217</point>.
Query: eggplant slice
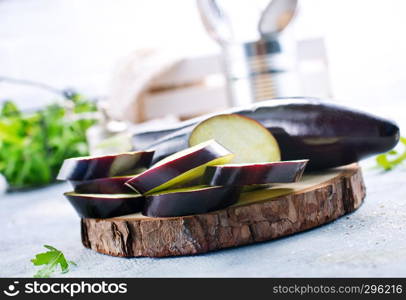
<point>105,206</point>
<point>246,138</point>
<point>92,167</point>
<point>108,185</point>
<point>180,168</point>
<point>254,174</point>
<point>191,200</point>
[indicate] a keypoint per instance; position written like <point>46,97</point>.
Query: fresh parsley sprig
<point>34,145</point>
<point>390,160</point>
<point>51,259</point>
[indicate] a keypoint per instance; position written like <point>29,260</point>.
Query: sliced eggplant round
<point>254,174</point>
<point>107,185</point>
<point>105,206</point>
<point>188,201</point>
<point>180,168</point>
<point>92,167</point>
<point>250,141</point>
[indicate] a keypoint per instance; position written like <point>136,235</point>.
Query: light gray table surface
<point>369,242</point>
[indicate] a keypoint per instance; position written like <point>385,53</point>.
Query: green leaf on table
<point>391,159</point>
<point>50,260</point>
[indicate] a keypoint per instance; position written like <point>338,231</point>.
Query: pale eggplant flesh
<point>327,134</point>
<point>189,201</point>
<point>254,174</point>
<point>105,206</point>
<point>93,167</point>
<point>247,139</point>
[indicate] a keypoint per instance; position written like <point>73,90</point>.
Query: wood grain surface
<point>259,216</point>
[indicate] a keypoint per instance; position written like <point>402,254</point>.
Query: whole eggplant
<point>328,135</point>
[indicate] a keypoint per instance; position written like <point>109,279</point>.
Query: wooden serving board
<point>258,216</point>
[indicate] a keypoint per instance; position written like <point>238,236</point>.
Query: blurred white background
<point>77,43</point>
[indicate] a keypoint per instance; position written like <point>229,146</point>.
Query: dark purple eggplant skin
<point>253,174</point>
<point>327,134</point>
<point>158,175</point>
<point>98,207</point>
<point>107,185</point>
<point>85,168</point>
<point>191,202</point>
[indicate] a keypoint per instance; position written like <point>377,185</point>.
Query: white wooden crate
<point>187,88</point>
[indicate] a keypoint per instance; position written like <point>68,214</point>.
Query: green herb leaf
<point>390,160</point>
<point>34,145</point>
<point>9,109</point>
<point>51,259</point>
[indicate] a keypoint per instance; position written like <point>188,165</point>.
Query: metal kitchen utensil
<point>277,15</point>
<point>259,64</point>
<point>214,20</point>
